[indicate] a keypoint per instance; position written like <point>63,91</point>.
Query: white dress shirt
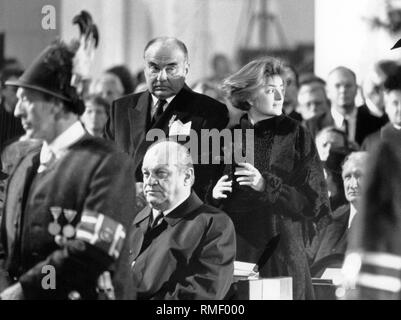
<point>352,214</point>
<point>339,122</point>
<point>154,103</point>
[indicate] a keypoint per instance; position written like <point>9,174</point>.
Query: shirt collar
<point>155,99</point>
<point>59,145</point>
<point>339,118</point>
<point>396,127</point>
<point>155,212</point>
<point>352,214</point>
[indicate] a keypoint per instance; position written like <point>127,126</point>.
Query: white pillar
<point>343,37</point>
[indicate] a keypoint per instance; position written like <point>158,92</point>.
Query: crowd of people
<point>87,189</point>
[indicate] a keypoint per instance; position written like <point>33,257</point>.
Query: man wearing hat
<point>69,203</point>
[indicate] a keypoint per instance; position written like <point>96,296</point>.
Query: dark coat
<point>295,194</point>
<point>387,134</point>
<point>130,122</point>
<point>191,257</point>
<point>366,123</point>
<point>93,180</point>
<point>333,240</point>
<point>10,126</point>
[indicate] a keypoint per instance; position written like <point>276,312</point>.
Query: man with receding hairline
<point>355,122</point>
<point>180,248</point>
<point>166,104</point>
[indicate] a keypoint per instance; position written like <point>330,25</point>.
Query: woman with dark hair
<point>284,190</point>
<point>96,114</point>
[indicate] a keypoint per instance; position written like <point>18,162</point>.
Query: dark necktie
<point>159,110</point>
<point>346,127</point>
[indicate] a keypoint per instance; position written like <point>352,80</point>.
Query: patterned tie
<point>156,221</point>
<point>158,110</point>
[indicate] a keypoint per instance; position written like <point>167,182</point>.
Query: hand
<point>13,292</point>
<point>222,186</point>
<point>105,285</point>
<point>249,176</point>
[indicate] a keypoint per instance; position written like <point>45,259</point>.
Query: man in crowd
<point>334,239</point>
<point>180,248</point>
<point>312,99</point>
<point>391,132</point>
<point>373,259</point>
<point>373,89</point>
<point>168,105</point>
<point>10,126</point>
<point>357,123</point>
<point>291,93</point>
<point>69,202</point>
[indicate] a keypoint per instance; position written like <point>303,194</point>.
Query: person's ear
<point>186,68</point>
<point>248,104</point>
<point>189,177</point>
<point>57,108</point>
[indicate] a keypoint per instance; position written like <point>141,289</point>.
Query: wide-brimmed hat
<point>51,73</point>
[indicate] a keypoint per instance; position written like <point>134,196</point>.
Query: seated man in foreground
<point>181,248</point>
<point>333,241</point>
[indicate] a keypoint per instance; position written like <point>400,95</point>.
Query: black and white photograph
<point>215,150</point>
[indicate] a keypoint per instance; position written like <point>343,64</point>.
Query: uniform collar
<point>59,146</point>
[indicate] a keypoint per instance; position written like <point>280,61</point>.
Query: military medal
<point>54,227</point>
<point>68,229</point>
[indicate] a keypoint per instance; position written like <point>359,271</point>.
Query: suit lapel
<point>138,117</point>
<point>327,120</point>
<point>138,120</point>
<point>140,226</point>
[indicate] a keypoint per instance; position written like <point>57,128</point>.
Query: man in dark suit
<point>391,132</point>
<point>356,122</point>
<point>69,202</point>
<point>180,248</point>
<point>333,240</point>
<point>168,105</point>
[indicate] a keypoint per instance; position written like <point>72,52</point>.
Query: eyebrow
<point>168,64</point>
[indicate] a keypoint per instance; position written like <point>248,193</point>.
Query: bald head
<point>167,42</point>
<point>166,66</point>
<point>170,153</point>
<point>342,89</point>
<point>168,174</point>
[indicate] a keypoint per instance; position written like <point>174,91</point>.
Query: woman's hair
<point>242,85</point>
<point>99,101</point>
